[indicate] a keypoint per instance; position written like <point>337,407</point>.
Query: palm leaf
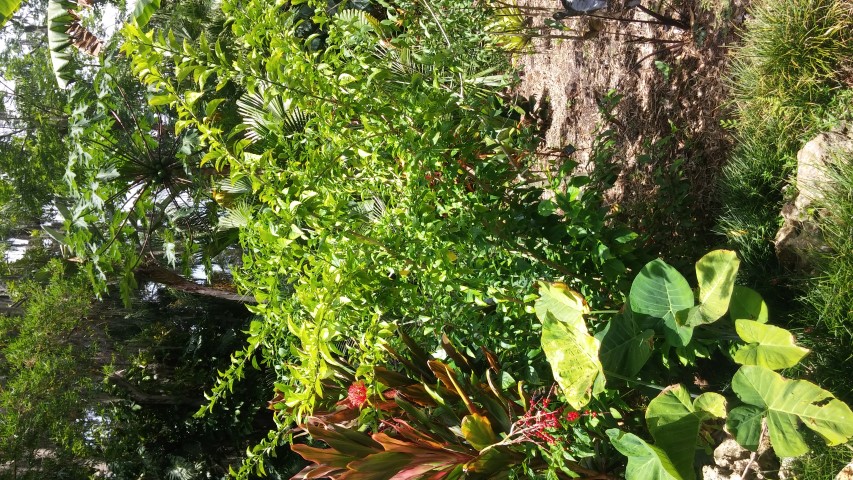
<point>7,9</point>
<point>142,11</point>
<point>238,216</point>
<point>267,120</point>
<point>361,18</point>
<point>60,17</point>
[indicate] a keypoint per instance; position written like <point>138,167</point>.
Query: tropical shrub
<point>452,420</point>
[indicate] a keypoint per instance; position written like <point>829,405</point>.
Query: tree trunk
<point>143,398</point>
<point>153,272</point>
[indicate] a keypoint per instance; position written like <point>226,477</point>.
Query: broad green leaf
<point>710,405</point>
<point>645,462</point>
<point>477,429</point>
<point>625,347</point>
<point>767,346</point>
<point>564,303</point>
<point>661,292</point>
<point>573,355</point>
<point>715,273</point>
<point>143,11</point>
<point>674,425</point>
<point>747,304</point>
<point>7,9</point>
<point>58,21</point>
<point>745,424</point>
<point>786,403</point>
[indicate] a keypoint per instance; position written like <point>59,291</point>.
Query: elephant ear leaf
<point>659,291</point>
<point>143,11</point>
<point>7,9</point>
<point>767,346</point>
<point>674,421</point>
<point>645,462</point>
<point>715,273</point>
<point>568,346</point>
<point>625,347</point>
<point>786,404</point>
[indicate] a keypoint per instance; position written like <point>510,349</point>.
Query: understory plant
<point>462,418</point>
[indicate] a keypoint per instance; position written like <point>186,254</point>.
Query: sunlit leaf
<point>715,273</point>
<point>747,304</point>
<point>767,345</point>
<point>661,292</point>
<point>787,404</point>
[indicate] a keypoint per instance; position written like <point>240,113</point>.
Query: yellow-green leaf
<point>715,273</point>
<point>477,429</point>
<point>767,346</point>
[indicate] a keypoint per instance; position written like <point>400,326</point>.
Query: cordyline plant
<point>441,420</point>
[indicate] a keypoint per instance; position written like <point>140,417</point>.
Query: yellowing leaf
<point>477,429</point>
<point>573,355</point>
<point>715,273</point>
<point>787,404</point>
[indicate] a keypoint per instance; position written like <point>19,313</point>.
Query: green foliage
<point>60,15</point>
<point>788,85</point>
<point>747,304</point>
<point>786,404</point>
<point>644,461</point>
<point>659,291</point>
<point>829,291</point>
<point>674,421</point>
<point>46,359</point>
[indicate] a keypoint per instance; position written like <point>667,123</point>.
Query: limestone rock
<point>730,461</point>
<point>799,238</point>
<point>846,473</point>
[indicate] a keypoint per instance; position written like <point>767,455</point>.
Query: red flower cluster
<point>534,423</point>
<point>357,394</point>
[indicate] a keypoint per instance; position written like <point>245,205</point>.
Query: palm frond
<point>238,216</point>
<point>268,119</point>
<point>360,18</point>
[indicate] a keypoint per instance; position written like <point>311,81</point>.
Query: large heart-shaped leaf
<point>7,9</point>
<point>661,292</point>
<point>625,347</point>
<point>785,403</point>
<point>715,273</point>
<point>747,304</point>
<point>674,422</point>
<point>767,346</point>
<point>573,355</point>
<point>568,346</point>
<point>645,462</point>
